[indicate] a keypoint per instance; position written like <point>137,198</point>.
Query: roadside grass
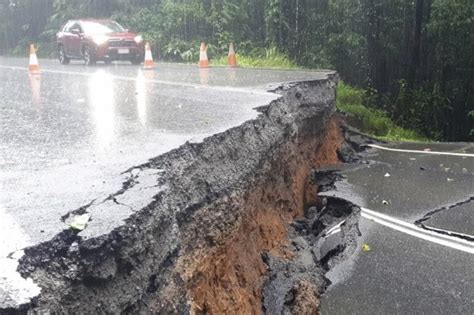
<point>350,100</point>
<point>43,50</point>
<point>272,59</point>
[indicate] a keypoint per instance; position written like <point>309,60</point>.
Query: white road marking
<point>180,84</point>
<point>335,229</point>
<point>413,230</point>
<point>333,232</point>
<point>420,152</point>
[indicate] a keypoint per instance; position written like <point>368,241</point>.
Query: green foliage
<point>351,101</point>
<point>412,107</point>
<point>145,21</point>
<point>416,64</point>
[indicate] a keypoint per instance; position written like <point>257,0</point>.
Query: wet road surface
<point>409,268</point>
<point>68,134</point>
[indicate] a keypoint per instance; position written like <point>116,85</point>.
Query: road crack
<point>79,211</point>
<point>122,204</point>
<point>429,215</point>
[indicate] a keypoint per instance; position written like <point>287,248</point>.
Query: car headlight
<point>138,39</point>
<point>100,39</point>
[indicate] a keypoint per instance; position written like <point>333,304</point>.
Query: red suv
<point>94,40</point>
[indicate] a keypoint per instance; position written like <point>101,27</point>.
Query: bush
<point>372,121</point>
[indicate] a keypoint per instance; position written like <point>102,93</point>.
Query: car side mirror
<point>75,31</point>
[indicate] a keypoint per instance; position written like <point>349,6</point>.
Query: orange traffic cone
<point>203,61</point>
<point>148,64</point>
<point>232,58</point>
<point>33,67</point>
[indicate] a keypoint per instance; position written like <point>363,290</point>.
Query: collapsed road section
<point>209,227</point>
<point>415,252</point>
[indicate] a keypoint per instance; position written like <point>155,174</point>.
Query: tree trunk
<point>415,64</point>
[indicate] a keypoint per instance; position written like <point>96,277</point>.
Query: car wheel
<point>89,58</point>
<point>63,59</point>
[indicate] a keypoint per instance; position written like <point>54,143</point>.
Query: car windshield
<point>102,27</point>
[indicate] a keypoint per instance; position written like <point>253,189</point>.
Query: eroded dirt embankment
<point>230,278</point>
<point>220,234</point>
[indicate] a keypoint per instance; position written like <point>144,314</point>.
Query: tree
<point>415,56</point>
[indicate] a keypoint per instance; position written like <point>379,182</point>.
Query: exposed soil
<point>306,299</point>
<point>230,280</point>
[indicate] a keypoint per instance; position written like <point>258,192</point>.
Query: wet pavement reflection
<point>67,133</point>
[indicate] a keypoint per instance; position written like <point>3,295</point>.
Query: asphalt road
<point>400,267</point>
<point>68,134</point>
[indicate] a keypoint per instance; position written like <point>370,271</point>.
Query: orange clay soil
<point>230,279</point>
